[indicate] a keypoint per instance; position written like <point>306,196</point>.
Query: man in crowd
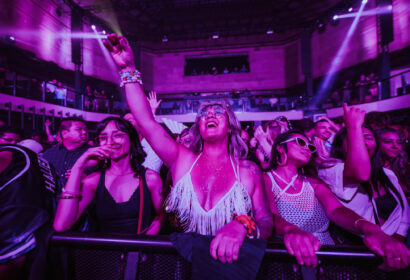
<point>9,135</point>
<point>323,131</point>
<point>74,136</point>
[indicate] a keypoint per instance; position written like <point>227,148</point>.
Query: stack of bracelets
<point>130,77</point>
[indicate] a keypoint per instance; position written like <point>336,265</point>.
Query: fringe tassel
<point>183,201</point>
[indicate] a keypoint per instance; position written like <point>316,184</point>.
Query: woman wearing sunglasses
<point>216,191</point>
<point>304,205</point>
<point>124,195</point>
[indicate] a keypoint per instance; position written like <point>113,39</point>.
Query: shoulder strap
<point>287,186</point>
<point>141,186</point>
<point>192,166</point>
<point>235,170</point>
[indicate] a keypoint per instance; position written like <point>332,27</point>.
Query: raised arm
<point>164,146</point>
<point>357,166</point>
<point>78,191</point>
<point>50,138</point>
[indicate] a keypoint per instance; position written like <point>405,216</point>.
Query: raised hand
<point>153,102</point>
<point>120,51</point>
<point>261,135</point>
<point>303,245</point>
<point>47,123</point>
<point>227,242</point>
<point>353,117</point>
<point>92,157</point>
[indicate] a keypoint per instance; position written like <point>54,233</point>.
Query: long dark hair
<point>137,154</point>
<point>308,169</point>
<point>377,177</point>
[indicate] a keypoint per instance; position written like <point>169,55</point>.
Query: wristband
<point>130,77</point>
<point>252,231</point>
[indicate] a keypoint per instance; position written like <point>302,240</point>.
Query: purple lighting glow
<point>372,12</point>
<point>328,80</point>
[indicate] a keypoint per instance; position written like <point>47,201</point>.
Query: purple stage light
<point>93,27</point>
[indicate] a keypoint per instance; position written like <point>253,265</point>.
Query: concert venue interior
<point>327,71</point>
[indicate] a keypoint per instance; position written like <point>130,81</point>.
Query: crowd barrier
<point>101,256</point>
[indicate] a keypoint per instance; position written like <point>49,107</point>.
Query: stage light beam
<point>328,81</point>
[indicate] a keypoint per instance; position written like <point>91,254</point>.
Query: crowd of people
<point>289,179</point>
<point>364,90</point>
<point>214,70</point>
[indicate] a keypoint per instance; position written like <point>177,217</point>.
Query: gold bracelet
<point>356,224</point>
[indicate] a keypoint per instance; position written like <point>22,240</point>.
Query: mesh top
<point>303,210</point>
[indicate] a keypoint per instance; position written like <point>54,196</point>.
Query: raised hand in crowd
<point>50,137</point>
<point>357,166</point>
<point>153,102</point>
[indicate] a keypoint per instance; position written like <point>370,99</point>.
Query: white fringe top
<point>183,201</point>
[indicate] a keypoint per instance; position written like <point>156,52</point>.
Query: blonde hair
<point>236,146</point>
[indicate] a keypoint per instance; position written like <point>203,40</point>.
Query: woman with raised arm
<point>305,205</point>
<point>359,180</point>
<point>216,192</point>
<point>124,194</point>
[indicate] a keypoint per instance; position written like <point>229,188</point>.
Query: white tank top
<point>183,201</point>
<point>302,209</point>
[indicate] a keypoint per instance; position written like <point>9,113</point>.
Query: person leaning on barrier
<point>305,204</point>
<point>212,184</point>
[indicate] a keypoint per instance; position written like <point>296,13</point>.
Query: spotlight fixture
<point>164,39</point>
<point>364,1</point>
<point>93,27</point>
<point>103,32</point>
<point>335,17</point>
<point>350,9</point>
<point>390,7</point>
<point>216,36</point>
<point>270,31</point>
<point>12,38</point>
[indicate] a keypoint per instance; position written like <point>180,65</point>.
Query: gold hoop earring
<point>284,162</point>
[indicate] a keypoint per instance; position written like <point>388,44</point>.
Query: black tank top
<point>385,205</point>
<point>113,217</point>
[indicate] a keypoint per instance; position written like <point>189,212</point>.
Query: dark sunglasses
<point>301,143</point>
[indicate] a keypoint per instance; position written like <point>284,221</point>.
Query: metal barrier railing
<point>101,256</point>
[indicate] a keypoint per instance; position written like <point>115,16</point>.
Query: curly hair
<point>236,146</point>
<point>137,154</point>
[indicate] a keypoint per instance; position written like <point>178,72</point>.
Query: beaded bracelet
<point>130,77</point>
